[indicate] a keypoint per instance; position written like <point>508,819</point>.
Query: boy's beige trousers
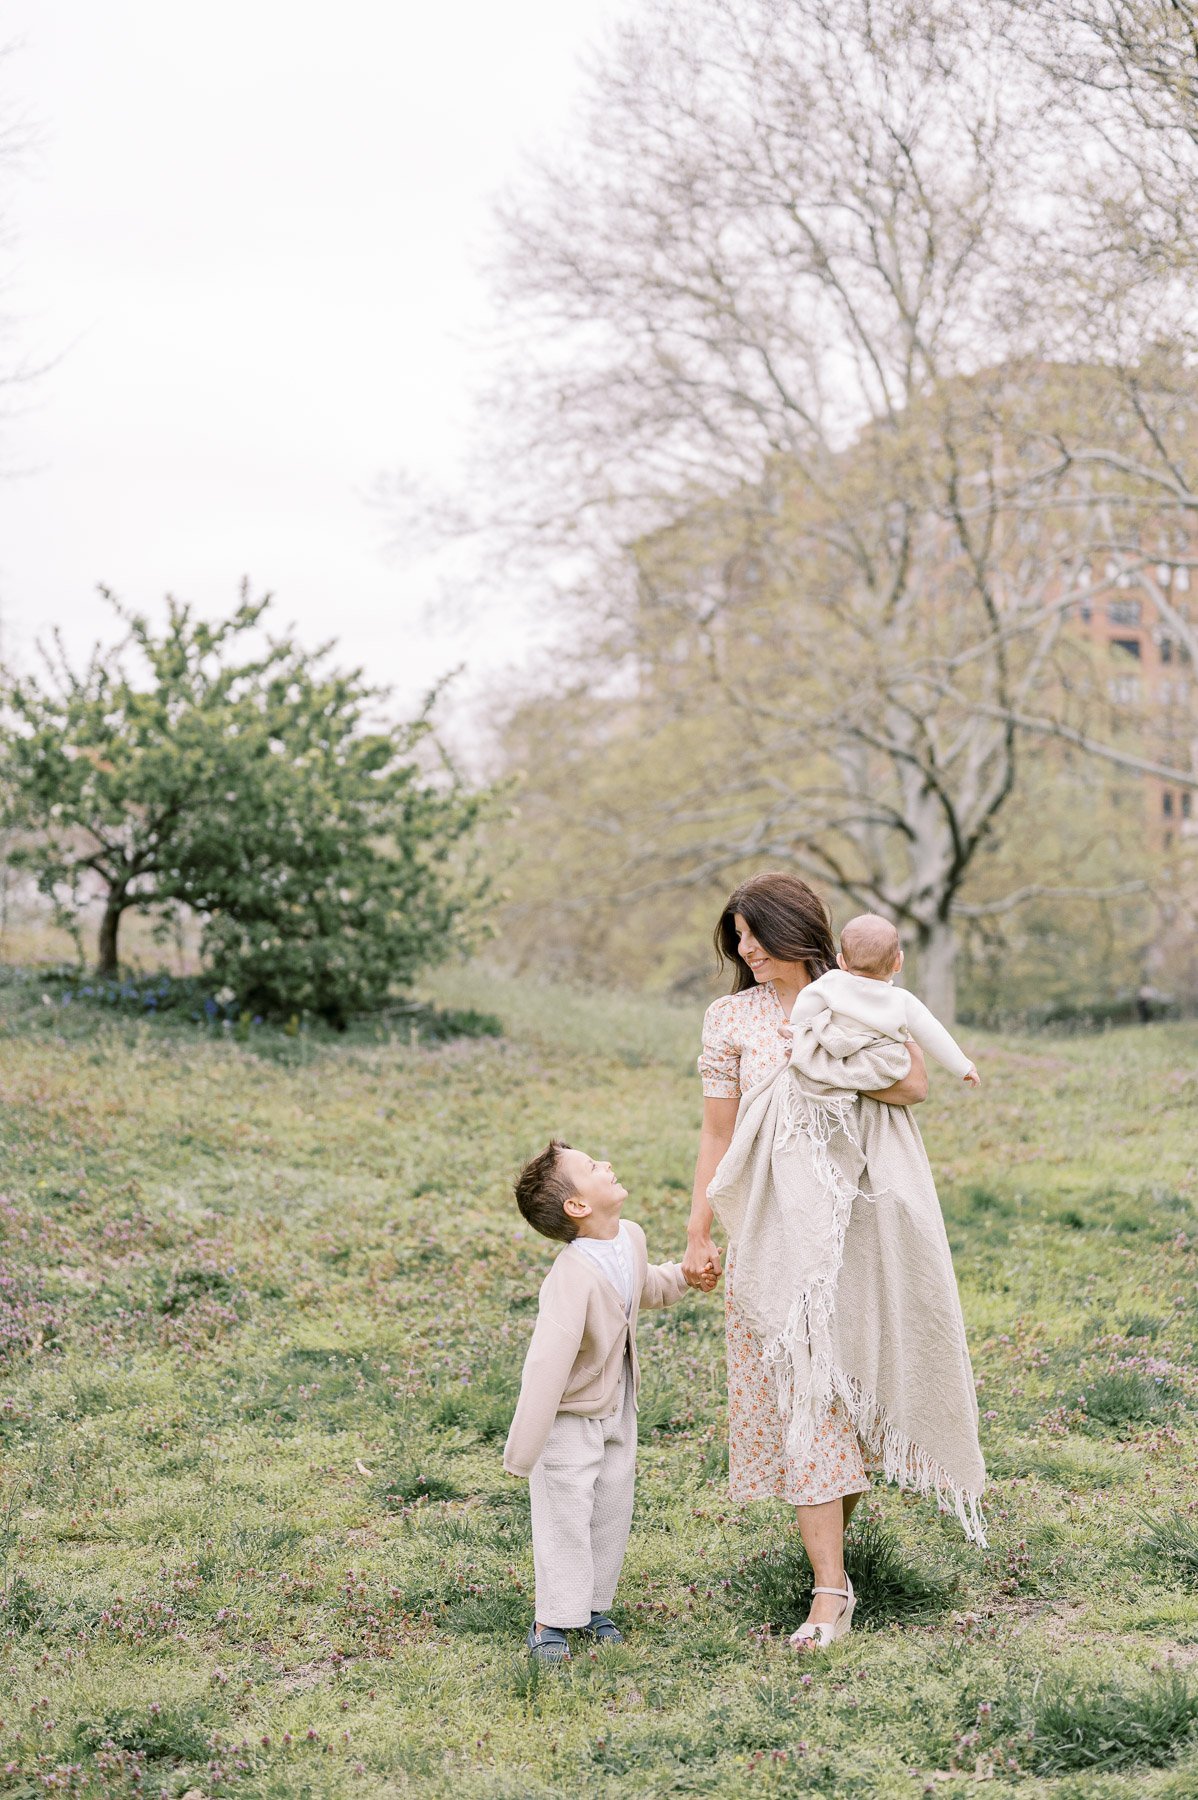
<point>581,1493</point>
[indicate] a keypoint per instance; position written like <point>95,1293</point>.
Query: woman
<point>776,933</point>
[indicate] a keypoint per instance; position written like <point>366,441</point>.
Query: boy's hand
<point>701,1264</point>
<point>971,1078</point>
<point>709,1275</point>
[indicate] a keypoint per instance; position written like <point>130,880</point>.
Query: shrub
<point>259,787</point>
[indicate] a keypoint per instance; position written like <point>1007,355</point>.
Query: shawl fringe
<point>902,1461</point>
<point>804,1406</point>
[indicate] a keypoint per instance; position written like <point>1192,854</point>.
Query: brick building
<point>1152,675</point>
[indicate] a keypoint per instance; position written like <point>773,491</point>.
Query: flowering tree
<point>211,766</point>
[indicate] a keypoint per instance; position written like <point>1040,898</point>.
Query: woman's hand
<point>701,1264</point>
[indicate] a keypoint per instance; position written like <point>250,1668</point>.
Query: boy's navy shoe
<point>603,1628</point>
<point>548,1645</point>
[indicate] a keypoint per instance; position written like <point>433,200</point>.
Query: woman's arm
<point>719,1121</point>
<point>912,1088</point>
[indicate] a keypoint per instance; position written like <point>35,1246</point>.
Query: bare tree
<point>1122,100</point>
<point>779,294</point>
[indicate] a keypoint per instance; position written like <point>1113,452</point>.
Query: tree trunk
<point>110,924</point>
<point>937,970</point>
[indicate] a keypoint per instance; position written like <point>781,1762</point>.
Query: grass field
<point>262,1311</point>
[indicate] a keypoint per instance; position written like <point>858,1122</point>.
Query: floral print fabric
<point>741,1044</point>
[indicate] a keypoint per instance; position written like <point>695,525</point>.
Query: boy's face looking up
<point>597,1196</point>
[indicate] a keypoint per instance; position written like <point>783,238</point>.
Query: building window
<point>1124,612</point>
<point>1124,690</point>
<point>1130,645</point>
<point>1167,803</point>
<point>1187,802</point>
<point>1166,650</point>
<point>1181,579</point>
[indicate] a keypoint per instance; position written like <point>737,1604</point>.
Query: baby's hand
<point>971,1078</point>
<point>786,1033</point>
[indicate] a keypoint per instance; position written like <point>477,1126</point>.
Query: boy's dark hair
<point>541,1194</point>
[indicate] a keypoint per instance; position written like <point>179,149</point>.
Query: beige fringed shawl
<point>842,1265</point>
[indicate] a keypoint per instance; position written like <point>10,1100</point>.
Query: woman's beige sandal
<point>820,1636</point>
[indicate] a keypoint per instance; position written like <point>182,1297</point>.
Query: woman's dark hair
<point>788,919</point>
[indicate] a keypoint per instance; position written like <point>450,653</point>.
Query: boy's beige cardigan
<point>577,1351</point>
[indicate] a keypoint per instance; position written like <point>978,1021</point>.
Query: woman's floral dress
<point>741,1045</point>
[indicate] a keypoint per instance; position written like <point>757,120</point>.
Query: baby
<point>862,989</point>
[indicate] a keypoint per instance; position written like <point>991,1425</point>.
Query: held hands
<point>701,1264</point>
<point>971,1078</point>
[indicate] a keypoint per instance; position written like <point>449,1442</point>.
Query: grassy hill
<point>262,1311</point>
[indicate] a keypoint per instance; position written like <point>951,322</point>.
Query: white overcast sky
<point>249,236</point>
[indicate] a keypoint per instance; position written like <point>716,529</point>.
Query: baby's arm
<point>934,1040</point>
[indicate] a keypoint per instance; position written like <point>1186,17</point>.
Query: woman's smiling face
<point>764,966</point>
<point>760,961</point>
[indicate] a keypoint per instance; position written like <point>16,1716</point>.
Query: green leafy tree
<point>212,766</point>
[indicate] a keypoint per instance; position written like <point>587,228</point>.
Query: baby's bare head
<point>869,945</point>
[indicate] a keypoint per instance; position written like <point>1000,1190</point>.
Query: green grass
<point>1170,1548</point>
<point>1112,1725</point>
<point>263,1304</point>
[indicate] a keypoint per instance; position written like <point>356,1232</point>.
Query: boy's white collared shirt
<point>614,1257</point>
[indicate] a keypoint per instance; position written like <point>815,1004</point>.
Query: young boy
<point>861,989</point>
<point>574,1430</point>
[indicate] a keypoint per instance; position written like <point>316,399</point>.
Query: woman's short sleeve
<point>719,1059</point>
